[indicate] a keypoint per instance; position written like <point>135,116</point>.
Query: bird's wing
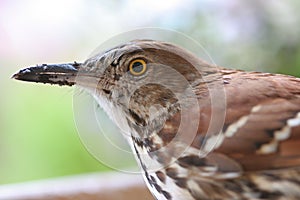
<point>267,138</point>
<point>262,131</point>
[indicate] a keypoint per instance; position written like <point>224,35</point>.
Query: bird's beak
<point>60,74</point>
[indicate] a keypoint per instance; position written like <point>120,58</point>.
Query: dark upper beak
<point>60,74</point>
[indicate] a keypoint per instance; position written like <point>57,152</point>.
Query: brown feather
<point>278,101</point>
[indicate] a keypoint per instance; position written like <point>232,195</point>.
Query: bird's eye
<point>137,67</point>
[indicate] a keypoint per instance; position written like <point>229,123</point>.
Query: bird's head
<point>139,84</point>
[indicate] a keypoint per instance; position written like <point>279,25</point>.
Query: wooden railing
<point>111,186</point>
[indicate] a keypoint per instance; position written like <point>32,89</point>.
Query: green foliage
<point>40,140</point>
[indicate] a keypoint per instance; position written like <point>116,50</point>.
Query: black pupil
<point>137,67</point>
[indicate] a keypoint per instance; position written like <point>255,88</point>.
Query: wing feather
<point>262,125</point>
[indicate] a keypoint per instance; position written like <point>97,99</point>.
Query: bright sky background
<point>34,27</point>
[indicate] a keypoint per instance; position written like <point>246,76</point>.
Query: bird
<point>197,130</point>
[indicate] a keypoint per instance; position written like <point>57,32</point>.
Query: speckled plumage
<point>249,150</point>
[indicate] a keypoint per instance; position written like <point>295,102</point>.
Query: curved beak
<point>60,74</point>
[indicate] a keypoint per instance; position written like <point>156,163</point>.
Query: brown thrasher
<point>198,131</point>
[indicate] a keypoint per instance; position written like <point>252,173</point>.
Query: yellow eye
<point>137,67</point>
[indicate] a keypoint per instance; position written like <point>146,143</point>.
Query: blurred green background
<point>38,137</point>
